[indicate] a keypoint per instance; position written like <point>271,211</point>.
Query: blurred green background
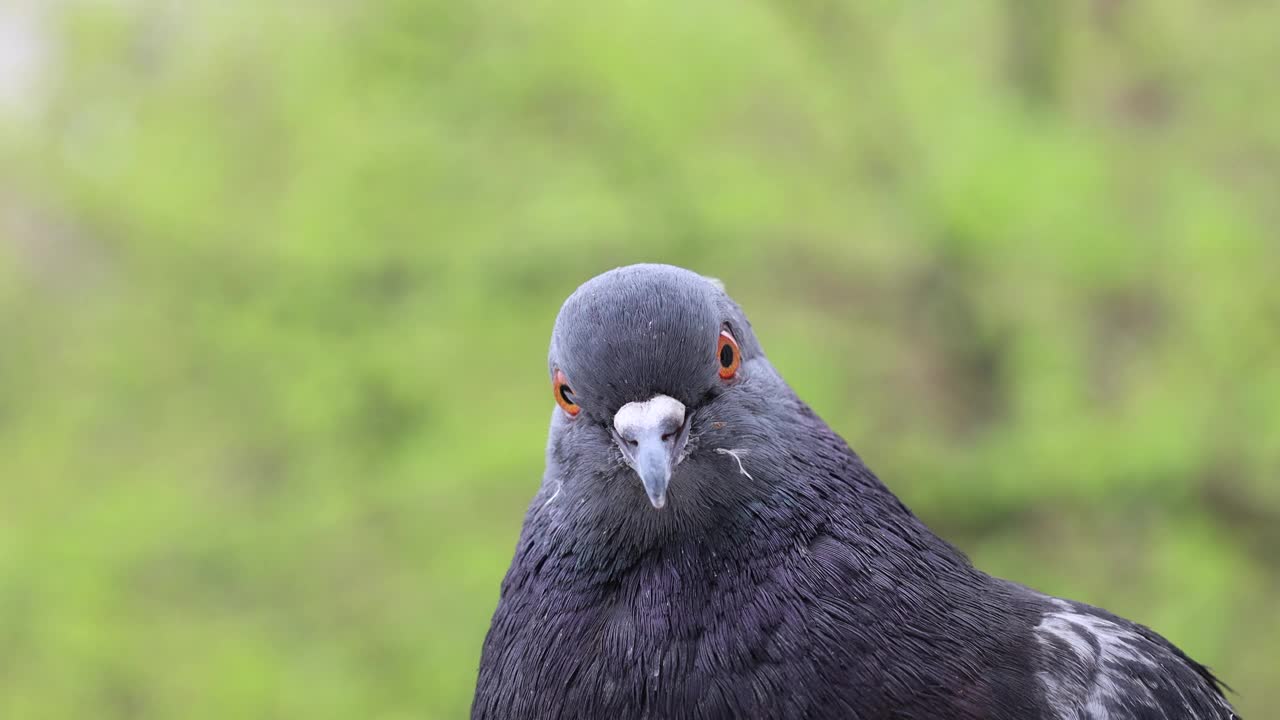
<point>277,279</point>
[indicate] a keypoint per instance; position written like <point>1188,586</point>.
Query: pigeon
<point>704,546</point>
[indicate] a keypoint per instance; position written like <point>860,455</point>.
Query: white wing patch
<point>1103,681</point>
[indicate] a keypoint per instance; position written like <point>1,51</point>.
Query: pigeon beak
<point>653,464</point>
<point>652,435</point>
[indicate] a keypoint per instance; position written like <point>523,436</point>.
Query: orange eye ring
<point>564,394</point>
<point>729,355</point>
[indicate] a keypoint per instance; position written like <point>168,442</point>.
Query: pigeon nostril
<point>667,436</point>
<point>633,443</point>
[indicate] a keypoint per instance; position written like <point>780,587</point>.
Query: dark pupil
<point>726,355</point>
<point>565,393</point>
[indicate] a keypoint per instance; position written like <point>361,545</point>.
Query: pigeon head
<point>660,387</point>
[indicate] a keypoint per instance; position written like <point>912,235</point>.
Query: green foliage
<point>276,286</point>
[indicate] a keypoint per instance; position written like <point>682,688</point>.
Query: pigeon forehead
<point>638,329</point>
<point>639,298</point>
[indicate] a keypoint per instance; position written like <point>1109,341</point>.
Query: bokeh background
<point>277,279</point>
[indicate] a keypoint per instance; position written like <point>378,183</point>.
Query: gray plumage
<point>704,546</point>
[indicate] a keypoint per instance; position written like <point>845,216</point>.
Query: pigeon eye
<point>564,395</point>
<point>729,355</point>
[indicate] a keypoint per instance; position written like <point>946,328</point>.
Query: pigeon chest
<point>813,633</point>
<point>662,643</point>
